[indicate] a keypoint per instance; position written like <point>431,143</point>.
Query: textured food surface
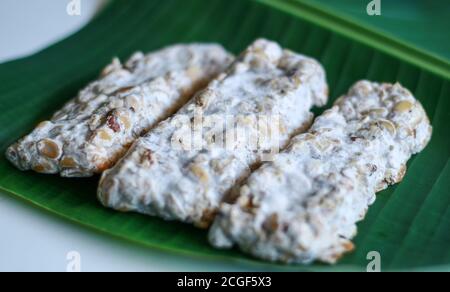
<point>304,205</point>
<point>164,175</point>
<point>92,131</point>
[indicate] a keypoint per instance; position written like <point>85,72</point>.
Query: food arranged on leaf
<point>188,134</point>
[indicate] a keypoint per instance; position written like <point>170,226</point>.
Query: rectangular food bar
<point>304,205</point>
<point>96,128</point>
<point>163,175</point>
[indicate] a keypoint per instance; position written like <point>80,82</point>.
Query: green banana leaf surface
<point>423,24</point>
<point>409,225</point>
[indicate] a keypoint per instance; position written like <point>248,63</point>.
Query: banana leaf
<point>408,225</point>
<point>422,24</point>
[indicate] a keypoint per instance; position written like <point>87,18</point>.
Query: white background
<point>31,239</point>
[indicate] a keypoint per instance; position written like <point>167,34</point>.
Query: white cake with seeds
<point>163,175</point>
<point>92,131</point>
<point>304,205</point>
